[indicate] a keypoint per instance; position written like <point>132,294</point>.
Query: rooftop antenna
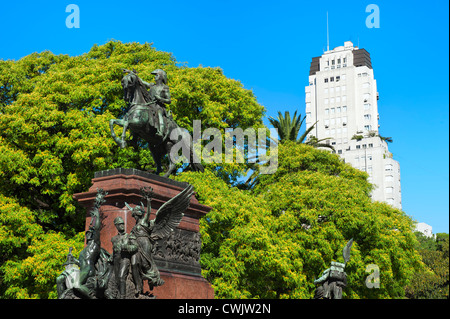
<point>328,37</point>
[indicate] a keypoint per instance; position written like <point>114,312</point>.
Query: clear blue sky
<point>268,46</point>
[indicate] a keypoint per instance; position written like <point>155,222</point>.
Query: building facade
<point>342,101</point>
<point>425,229</point>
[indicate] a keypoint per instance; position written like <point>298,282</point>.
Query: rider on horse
<point>160,95</point>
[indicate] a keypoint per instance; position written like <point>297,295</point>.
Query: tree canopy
<point>54,134</point>
<point>273,241</point>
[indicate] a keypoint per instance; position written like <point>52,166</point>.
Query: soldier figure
<point>123,248</point>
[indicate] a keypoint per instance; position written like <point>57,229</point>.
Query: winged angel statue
<point>333,279</point>
<point>146,232</point>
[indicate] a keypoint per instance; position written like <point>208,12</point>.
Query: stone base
<point>181,286</point>
<point>177,257</point>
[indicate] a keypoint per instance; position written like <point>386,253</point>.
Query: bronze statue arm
<point>147,193</point>
<point>146,84</point>
<point>166,99</point>
<point>95,212</point>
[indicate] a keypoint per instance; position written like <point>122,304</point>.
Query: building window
<point>332,62</point>
<point>389,190</point>
<point>338,78</point>
<point>327,111</point>
<point>370,145</point>
<point>332,110</point>
<point>366,106</point>
<point>344,88</point>
<point>389,178</point>
<point>366,85</point>
<point>325,80</point>
<point>358,147</point>
<point>344,109</point>
<point>332,79</point>
<point>326,101</point>
<point>339,151</point>
<point>308,105</point>
<point>367,117</point>
<point>344,98</point>
<point>338,109</point>
<point>325,90</point>
<point>367,127</point>
<point>388,167</point>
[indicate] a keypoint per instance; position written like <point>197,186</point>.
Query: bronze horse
<point>144,117</point>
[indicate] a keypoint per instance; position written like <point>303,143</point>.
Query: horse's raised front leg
<point>119,141</point>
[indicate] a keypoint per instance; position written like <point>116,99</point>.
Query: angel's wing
<point>170,213</point>
<point>346,251</point>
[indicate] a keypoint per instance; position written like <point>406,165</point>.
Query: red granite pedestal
<point>177,257</point>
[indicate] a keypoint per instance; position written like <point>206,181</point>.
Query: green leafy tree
<point>433,281</point>
<point>54,134</point>
<point>273,241</point>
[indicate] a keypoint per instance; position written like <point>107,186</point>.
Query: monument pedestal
<point>177,256</point>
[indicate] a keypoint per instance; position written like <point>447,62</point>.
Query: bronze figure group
<point>98,274</point>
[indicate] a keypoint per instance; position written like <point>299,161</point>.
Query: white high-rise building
<point>341,99</point>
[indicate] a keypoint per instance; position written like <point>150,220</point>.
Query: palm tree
<point>387,139</point>
<point>288,130</point>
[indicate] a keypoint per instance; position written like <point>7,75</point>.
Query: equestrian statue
<point>147,118</point>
